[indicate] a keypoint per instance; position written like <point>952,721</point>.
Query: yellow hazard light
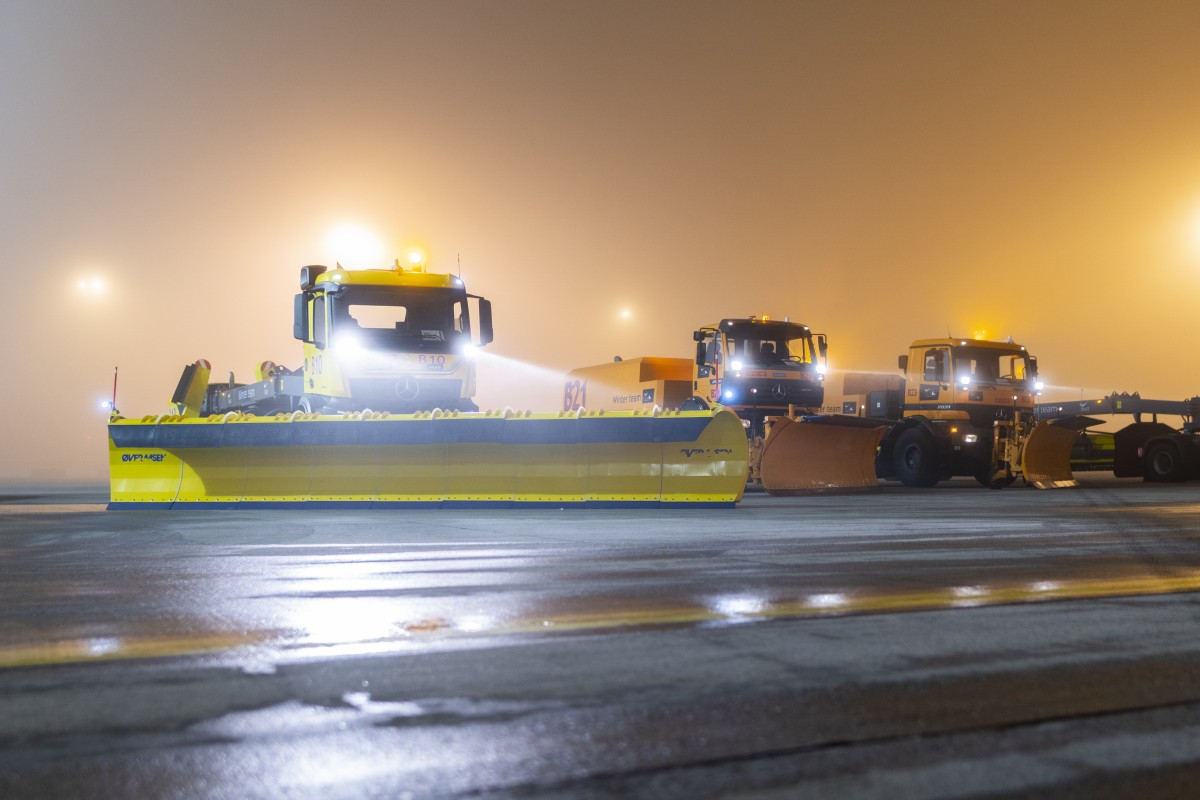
<point>416,259</point>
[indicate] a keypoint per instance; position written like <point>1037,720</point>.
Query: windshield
<point>401,318</point>
<point>989,365</point>
<point>767,344</point>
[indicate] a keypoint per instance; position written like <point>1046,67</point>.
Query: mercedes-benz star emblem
<point>779,391</point>
<point>407,389</point>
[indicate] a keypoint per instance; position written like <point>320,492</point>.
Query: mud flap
<point>1046,457</point>
<point>818,454</point>
<point>695,458</point>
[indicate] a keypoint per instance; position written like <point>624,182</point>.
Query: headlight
<point>469,350</point>
<point>965,380</point>
<point>736,366</point>
<point>348,344</point>
<point>1038,386</point>
<point>970,438</point>
<point>821,369</point>
<point>728,394</point>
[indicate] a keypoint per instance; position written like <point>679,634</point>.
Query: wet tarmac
<point>955,642</point>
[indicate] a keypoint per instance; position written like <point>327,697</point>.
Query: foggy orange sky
<point>882,171</point>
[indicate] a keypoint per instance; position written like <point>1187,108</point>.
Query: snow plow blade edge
<point>807,457</point>
<point>622,459</point>
<point>1046,459</point>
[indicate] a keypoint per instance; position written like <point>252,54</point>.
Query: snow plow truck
<point>381,413</point>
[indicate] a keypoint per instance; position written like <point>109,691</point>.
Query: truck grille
<point>406,394</point>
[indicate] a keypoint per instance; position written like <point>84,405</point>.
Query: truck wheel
<point>311,404</point>
<point>694,403</point>
<point>1164,464</point>
<point>914,459</point>
<point>995,478</point>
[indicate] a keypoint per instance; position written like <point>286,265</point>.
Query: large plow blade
<point>1046,457</point>
<point>622,459</point>
<point>819,454</point>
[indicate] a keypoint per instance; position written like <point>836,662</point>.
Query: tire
<point>694,403</point>
<point>995,478</point>
<point>914,459</point>
<point>1164,463</point>
<point>311,404</point>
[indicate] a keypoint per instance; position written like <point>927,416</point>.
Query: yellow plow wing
<point>616,459</point>
<point>1046,457</point>
<point>816,455</point>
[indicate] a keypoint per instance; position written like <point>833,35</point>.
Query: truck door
<point>709,358</point>
<point>935,379</point>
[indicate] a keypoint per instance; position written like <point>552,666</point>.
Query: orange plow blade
<point>1046,458</point>
<point>820,454</point>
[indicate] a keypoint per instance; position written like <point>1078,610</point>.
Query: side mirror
<point>822,345</point>
<point>697,336</point>
<point>300,317</point>
<point>902,362</point>
<point>485,321</point>
<point>309,275</point>
<point>1033,366</point>
<point>700,352</point>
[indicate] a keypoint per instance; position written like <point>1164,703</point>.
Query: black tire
<point>1164,463</point>
<point>915,460</point>
<point>694,403</point>
<point>995,478</point>
<point>312,404</point>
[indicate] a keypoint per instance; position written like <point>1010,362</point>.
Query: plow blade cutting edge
<point>623,459</point>
<point>819,454</point>
<point>1046,458</point>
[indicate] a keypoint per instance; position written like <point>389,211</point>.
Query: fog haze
<point>881,171</point>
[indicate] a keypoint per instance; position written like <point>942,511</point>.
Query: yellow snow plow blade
<point>815,455</point>
<point>487,459</point>
<point>1046,457</point>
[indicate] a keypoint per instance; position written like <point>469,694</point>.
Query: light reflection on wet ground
<point>259,588</point>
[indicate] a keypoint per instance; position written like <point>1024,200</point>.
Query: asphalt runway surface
<point>953,642</point>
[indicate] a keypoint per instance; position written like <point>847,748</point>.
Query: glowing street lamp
<point>353,244</point>
<point>91,287</point>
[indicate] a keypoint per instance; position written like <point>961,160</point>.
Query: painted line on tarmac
<point>739,608</point>
<point>51,508</point>
<point>76,651</point>
<point>745,607</point>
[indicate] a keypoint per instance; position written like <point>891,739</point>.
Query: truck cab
<point>397,340</point>
<point>965,409</point>
<point>760,367</point>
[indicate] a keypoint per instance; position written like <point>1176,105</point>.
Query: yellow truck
<point>398,340</point>
<point>964,407</point>
<point>380,414</point>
